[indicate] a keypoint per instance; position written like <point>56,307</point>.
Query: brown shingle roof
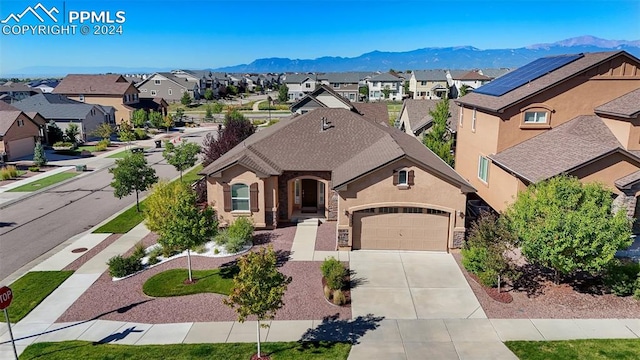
<point>110,84</point>
<point>559,150</point>
<point>474,75</point>
<point>7,118</point>
<point>627,105</point>
<point>418,113</point>
<point>377,112</point>
<point>497,103</point>
<point>350,148</point>
<point>626,182</point>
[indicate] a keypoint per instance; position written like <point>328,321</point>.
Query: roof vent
<point>326,124</point>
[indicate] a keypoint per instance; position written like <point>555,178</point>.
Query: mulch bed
<point>124,300</point>
<point>326,236</point>
<point>502,296</point>
<point>537,297</point>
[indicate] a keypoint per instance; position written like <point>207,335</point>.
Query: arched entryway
<point>308,196</point>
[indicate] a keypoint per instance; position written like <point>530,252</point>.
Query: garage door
<point>21,148</point>
<point>400,228</point>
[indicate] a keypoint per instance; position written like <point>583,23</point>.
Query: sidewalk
<point>374,337</point>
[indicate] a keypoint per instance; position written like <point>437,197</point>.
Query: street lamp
<point>269,100</point>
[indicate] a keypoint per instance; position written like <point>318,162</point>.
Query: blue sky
<point>210,34</point>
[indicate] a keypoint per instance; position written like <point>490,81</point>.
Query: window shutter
<point>410,177</point>
<point>253,197</point>
<point>395,178</point>
<point>227,197</point>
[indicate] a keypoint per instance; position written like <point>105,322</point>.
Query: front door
<point>309,193</point>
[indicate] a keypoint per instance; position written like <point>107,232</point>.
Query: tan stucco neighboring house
<point>415,119</point>
<point>108,90</point>
<point>579,116</point>
<point>428,84</point>
<point>18,133</point>
<point>384,189</point>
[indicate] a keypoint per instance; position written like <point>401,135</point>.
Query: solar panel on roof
<point>525,74</point>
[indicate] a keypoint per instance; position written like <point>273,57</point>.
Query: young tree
<point>364,92</point>
<point>464,89</point>
<point>167,122</point>
<point>155,118</point>
<point>185,225</point>
<point>139,117</point>
<point>126,133</point>
<point>439,138</point>
<point>39,157</point>
<point>283,93</point>
<point>103,131</point>
<point>386,91</point>
<point>217,108</point>
<point>232,90</point>
<point>568,226</point>
<point>258,288</point>
<point>208,94</point>
<point>71,133</point>
<point>208,112</point>
<point>132,174</point>
<point>236,129</point>
<point>185,99</point>
<point>182,156</point>
<point>54,133</point>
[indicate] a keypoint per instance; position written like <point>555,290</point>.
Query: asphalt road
<point>32,227</point>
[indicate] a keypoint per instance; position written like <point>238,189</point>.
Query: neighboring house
<point>380,83</point>
<point>471,79</point>
<point>169,87</point>
<point>11,92</point>
<point>429,84</point>
<point>570,114</point>
<point>414,118</point>
<point>326,97</point>
<point>108,90</point>
<point>494,73</point>
<point>18,133</point>
<point>299,85</point>
<point>384,189</point>
<point>44,85</point>
<point>64,111</point>
<point>346,84</point>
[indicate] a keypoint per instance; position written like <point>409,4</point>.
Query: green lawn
<point>576,349</point>
<point>192,176</point>
<point>31,289</point>
<point>120,155</point>
<point>171,282</point>
<point>44,182</point>
<point>124,222</point>
<point>86,350</point>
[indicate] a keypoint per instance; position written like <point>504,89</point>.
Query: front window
<point>170,92</point>
<point>336,86</point>
<point>483,168</point>
<point>240,197</point>
<point>535,117</point>
<point>403,178</point>
<point>153,93</point>
<point>307,85</point>
<point>423,83</point>
<point>157,82</point>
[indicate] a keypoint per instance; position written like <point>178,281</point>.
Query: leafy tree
<point>139,118</point>
<point>464,89</point>
<point>568,226</point>
<point>185,99</point>
<point>132,174</point>
<point>258,288</point>
<point>236,129</point>
<point>386,91</point>
<point>54,133</point>
<point>186,226</point>
<point>126,133</point>
<point>439,138</point>
<point>208,112</point>
<point>39,157</point>
<point>364,91</point>
<point>156,206</point>
<point>156,119</point>
<point>283,93</point>
<point>182,156</point>
<point>167,122</point>
<point>71,133</point>
<point>232,90</point>
<point>485,251</point>
<point>406,87</point>
<point>208,94</point>
<point>179,115</point>
<point>217,108</point>
<point>103,131</point>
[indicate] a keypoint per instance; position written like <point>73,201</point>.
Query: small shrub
<point>334,272</point>
<point>200,249</point>
<point>139,251</point>
<point>105,142</point>
<point>34,168</point>
<point>64,144</point>
<point>120,266</point>
<point>222,237</point>
<point>622,277</point>
<point>234,244</point>
<point>338,297</point>
<point>140,134</point>
<point>168,252</point>
<point>155,252</point>
<point>216,251</point>
<point>9,172</point>
<point>328,264</point>
<point>241,229</point>
<point>153,260</point>
<point>636,292</point>
<point>101,147</point>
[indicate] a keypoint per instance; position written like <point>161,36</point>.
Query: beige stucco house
<point>18,132</point>
<point>384,189</point>
<point>579,116</point>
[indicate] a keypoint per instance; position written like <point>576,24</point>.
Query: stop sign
<point>5,297</point>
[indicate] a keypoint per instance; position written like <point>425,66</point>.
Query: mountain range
<point>461,57</point>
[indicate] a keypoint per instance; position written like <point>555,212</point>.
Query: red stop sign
<point>6,295</point>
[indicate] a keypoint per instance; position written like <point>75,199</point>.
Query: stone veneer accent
<point>458,238</point>
<point>333,206</point>
<point>343,237</point>
<point>625,201</point>
<point>283,193</point>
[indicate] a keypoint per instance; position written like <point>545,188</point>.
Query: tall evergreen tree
<point>439,139</point>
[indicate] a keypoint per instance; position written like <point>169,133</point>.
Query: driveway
<point>411,285</point>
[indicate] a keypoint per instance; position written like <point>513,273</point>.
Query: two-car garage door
<point>21,147</point>
<point>400,228</point>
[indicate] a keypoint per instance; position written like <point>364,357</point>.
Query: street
<point>31,227</point>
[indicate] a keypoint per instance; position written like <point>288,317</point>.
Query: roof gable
<point>627,106</point>
<point>109,84</point>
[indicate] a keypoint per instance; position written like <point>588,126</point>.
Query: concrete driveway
<point>411,285</point>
